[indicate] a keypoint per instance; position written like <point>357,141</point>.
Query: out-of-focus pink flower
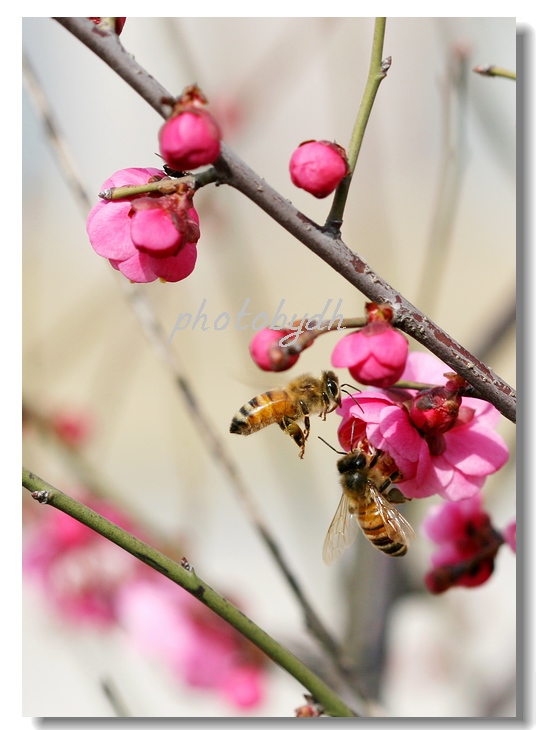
<point>145,237</point>
<point>318,167</point>
<point>78,570</point>
<point>267,354</point>
<point>509,534</point>
<point>72,428</point>
<point>375,355</point>
<point>454,464</point>
<point>202,649</point>
<point>467,544</point>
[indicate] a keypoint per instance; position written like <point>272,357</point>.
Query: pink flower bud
<point>190,139</point>
<point>267,353</point>
<point>435,411</point>
<point>318,167</point>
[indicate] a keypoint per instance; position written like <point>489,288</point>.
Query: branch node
<point>42,497</point>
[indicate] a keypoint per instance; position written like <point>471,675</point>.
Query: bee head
<point>331,384</point>
<point>354,461</point>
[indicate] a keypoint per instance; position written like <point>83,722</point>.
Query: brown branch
<point>233,171</point>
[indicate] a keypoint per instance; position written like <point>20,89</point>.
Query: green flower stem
<point>187,579</point>
<point>377,72</point>
<point>165,185</point>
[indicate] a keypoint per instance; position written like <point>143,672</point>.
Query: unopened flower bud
<point>268,354</point>
<point>190,139</point>
<point>318,167</point>
<point>435,411</point>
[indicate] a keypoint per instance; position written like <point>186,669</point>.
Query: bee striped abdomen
<point>374,528</point>
<point>261,411</point>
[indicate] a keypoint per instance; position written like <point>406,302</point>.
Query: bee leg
<point>324,410</point>
<point>306,425</point>
<point>395,496</point>
<point>294,431</point>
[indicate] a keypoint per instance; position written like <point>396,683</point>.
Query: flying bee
<point>302,397</point>
<point>366,476</point>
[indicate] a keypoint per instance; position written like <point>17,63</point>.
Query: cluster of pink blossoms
<point>149,236</point>
<point>451,458</point>
<point>88,580</point>
<point>442,442</point>
<point>154,236</point>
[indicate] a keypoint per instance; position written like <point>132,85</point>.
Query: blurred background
<point>437,166</point>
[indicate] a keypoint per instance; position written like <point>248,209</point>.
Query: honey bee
<point>302,397</point>
<point>366,475</point>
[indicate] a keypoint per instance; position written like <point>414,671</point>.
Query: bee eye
<point>333,388</point>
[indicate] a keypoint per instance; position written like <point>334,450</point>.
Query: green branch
<point>187,579</point>
<point>377,72</point>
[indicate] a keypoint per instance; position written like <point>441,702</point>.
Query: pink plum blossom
<point>71,427</point>
<point>204,651</point>
<point>467,544</point>
<point>267,354</point>
<point>318,167</point>
<point>79,570</point>
<point>454,464</point>
<point>145,238</point>
<point>375,355</point>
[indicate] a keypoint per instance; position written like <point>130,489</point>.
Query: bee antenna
<point>331,447</point>
<point>350,394</point>
<point>350,385</point>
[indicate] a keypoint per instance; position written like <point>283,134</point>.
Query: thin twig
<point>187,579</point>
<point>233,171</point>
<point>377,72</point>
<point>159,341</point>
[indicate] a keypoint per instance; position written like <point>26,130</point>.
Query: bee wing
<point>396,525</point>
<point>341,533</point>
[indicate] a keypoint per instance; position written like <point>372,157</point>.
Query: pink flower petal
<point>138,268</point>
<point>153,232</point>
<point>178,267</point>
